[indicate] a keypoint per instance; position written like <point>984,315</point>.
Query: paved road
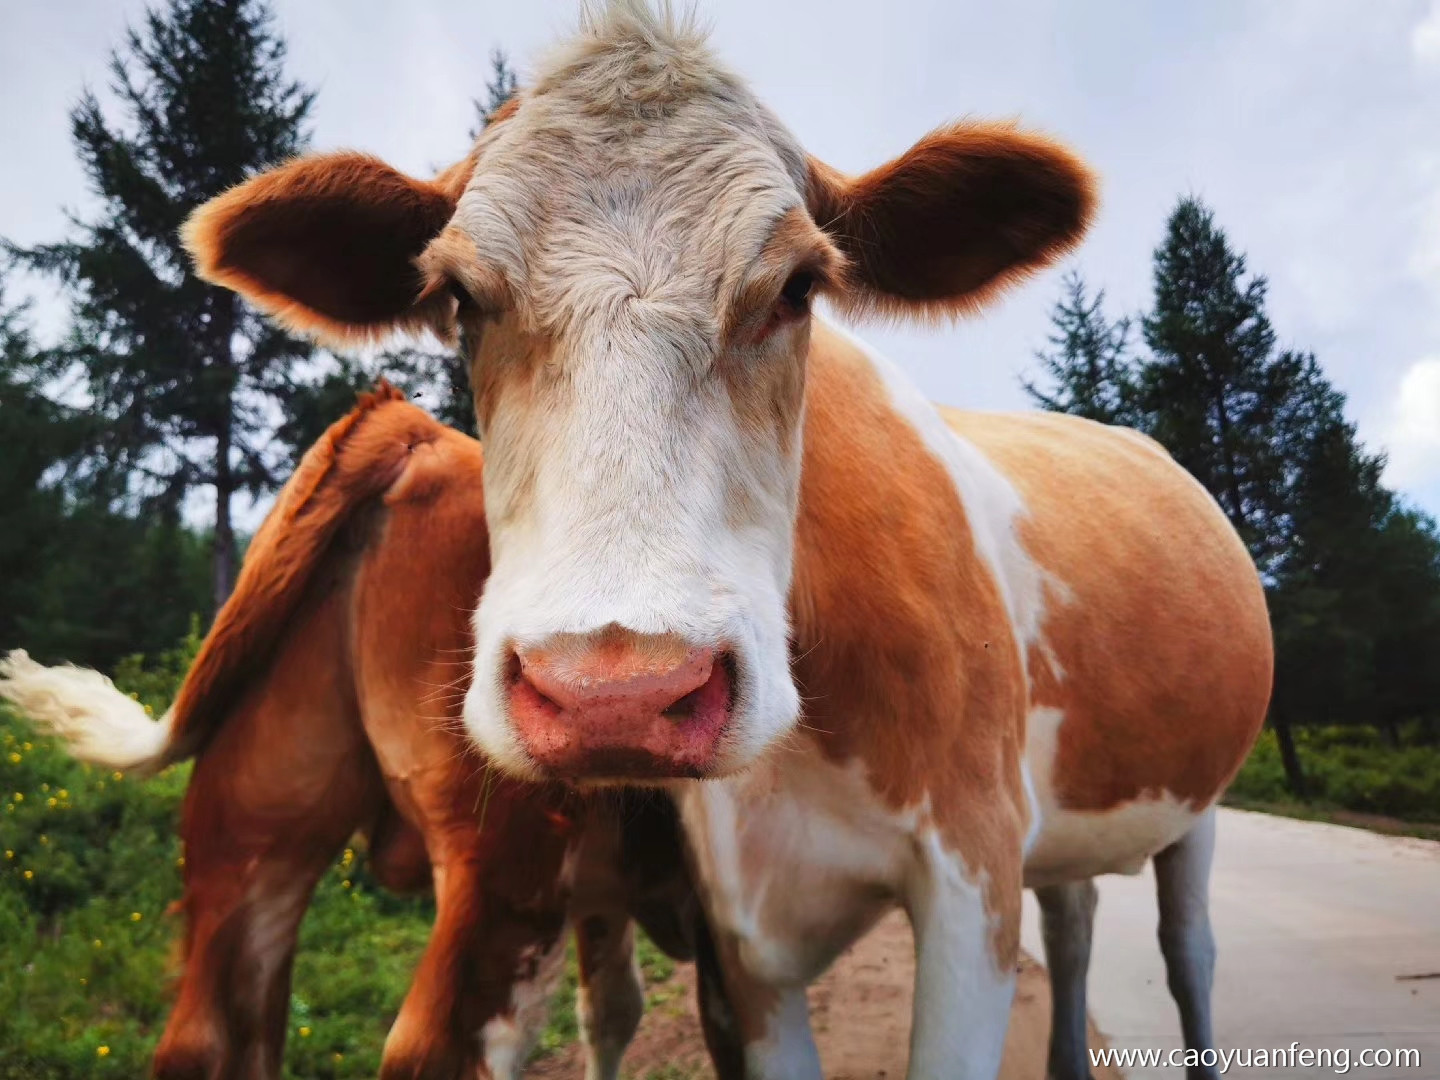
<point>1317,927</point>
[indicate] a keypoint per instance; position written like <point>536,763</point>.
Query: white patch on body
<point>993,507</point>
<point>1075,844</point>
<point>793,829</point>
<point>799,858</point>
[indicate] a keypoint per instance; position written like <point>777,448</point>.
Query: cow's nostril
<point>713,694</point>
<point>684,709</point>
<point>522,688</point>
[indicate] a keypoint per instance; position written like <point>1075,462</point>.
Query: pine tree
<point>183,375</point>
<point>1212,389</point>
<point>500,89</point>
<point>1089,361</point>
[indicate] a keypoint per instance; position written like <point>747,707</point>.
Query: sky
<point>1311,127</point>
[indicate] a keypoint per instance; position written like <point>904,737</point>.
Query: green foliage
<point>500,89</point>
<point>1349,768</point>
<point>1089,362</point>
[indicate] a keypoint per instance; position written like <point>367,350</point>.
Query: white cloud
<point>1413,435</point>
<point>1425,38</point>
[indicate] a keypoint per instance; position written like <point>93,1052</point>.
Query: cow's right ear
<point>326,244</point>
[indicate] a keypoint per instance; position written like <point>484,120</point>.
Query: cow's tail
<point>357,459</point>
<point>99,723</point>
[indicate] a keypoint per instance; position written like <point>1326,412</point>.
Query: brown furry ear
<point>965,212</point>
<point>327,244</point>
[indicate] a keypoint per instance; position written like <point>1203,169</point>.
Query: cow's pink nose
<point>620,705</point>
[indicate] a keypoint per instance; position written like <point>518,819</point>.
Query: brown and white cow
<point>314,708</point>
<point>1029,649</point>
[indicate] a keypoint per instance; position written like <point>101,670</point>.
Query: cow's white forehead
<point>636,165</point>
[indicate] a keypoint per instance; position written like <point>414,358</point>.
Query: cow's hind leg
<point>247,885</point>
<point>281,786</point>
<point>1067,919</point>
<point>611,998</point>
<point>1182,880</point>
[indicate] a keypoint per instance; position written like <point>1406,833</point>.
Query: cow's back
<point>1151,672</point>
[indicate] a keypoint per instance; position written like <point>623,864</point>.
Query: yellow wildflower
<point>15,759</point>
<point>117,775</point>
<point>44,787</point>
<point>26,747</point>
<point>63,793</point>
<point>102,1051</point>
<point>52,802</point>
<point>98,943</point>
<point>29,874</point>
<point>135,916</point>
<point>9,854</point>
<point>345,884</point>
<point>19,796</point>
<point>304,1032</point>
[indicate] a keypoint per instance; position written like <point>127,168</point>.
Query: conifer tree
<point>183,376</point>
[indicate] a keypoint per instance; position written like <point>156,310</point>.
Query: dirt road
<point>860,1011</point>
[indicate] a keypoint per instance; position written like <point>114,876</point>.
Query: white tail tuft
<point>101,724</point>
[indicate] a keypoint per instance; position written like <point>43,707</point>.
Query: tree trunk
<point>1289,758</point>
<point>223,552</point>
<point>1227,454</point>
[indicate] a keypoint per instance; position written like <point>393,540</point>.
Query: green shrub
<point>1348,768</point>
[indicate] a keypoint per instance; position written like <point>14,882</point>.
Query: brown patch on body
<point>904,652</point>
<point>1154,614</point>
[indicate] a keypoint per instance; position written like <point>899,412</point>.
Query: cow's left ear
<point>327,244</point>
<point>965,212</point>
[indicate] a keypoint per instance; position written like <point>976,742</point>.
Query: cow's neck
<point>903,638</point>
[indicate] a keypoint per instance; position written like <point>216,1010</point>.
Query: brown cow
<point>324,700</point>
<point>1029,650</point>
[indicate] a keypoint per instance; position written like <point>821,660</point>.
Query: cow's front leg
<point>751,1022</point>
<point>966,922</point>
<point>611,997</point>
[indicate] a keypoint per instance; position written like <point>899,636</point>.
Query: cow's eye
<point>462,296</point>
<point>796,293</point>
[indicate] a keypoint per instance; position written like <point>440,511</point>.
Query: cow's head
<point>629,255</point>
